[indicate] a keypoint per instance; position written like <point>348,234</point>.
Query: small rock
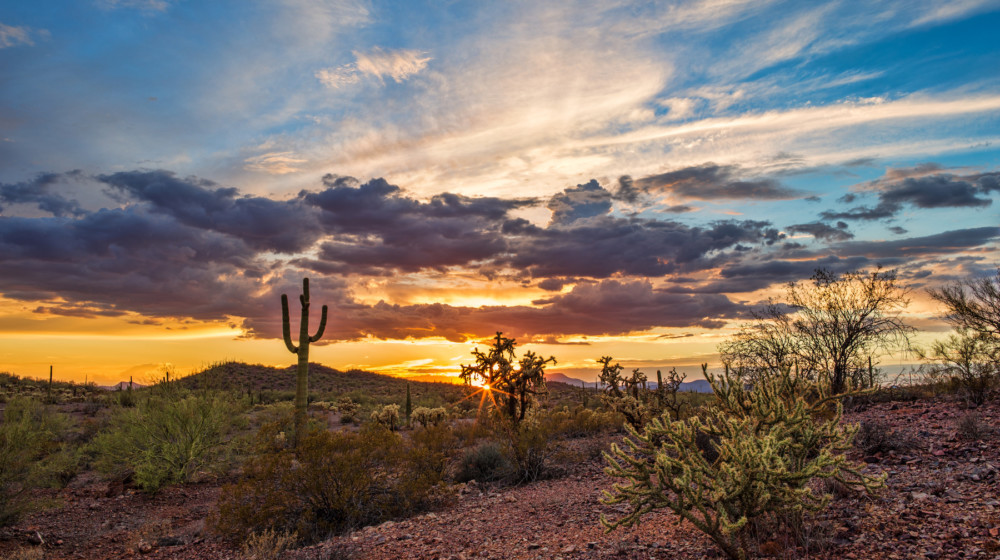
<point>169,541</point>
<point>938,453</point>
<point>144,547</point>
<point>568,550</point>
<point>919,496</point>
<point>35,538</point>
<point>534,546</point>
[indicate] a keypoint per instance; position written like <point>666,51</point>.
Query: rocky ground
<point>942,501</point>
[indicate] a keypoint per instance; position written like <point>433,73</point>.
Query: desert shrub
<point>429,416</point>
<point>527,445</point>
<point>484,463</point>
<point>331,483</point>
<point>267,545</point>
<point>31,453</point>
<point>875,436</point>
<point>387,417</point>
<point>970,361</point>
<point>582,422</point>
<point>165,440</point>
<point>770,443</point>
<point>970,426</point>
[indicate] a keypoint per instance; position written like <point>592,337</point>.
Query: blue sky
<point>607,174</point>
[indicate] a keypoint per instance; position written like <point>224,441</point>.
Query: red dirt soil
<point>942,501</point>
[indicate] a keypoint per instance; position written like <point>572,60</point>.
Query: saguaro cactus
<point>302,350</point>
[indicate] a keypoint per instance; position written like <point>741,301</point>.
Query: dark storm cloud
<point>942,243</point>
<point>627,190</point>
<point>262,223</point>
<point>583,201</point>
<point>936,191</point>
<point>126,260</point>
<point>377,230</point>
<point>634,247</point>
<point>350,207</point>
<point>607,308</point>
<point>757,274</point>
<point>40,192</point>
<point>796,264</point>
<point>863,213</point>
<point>188,248</point>
<point>823,231</point>
<point>712,182</point>
<point>921,187</point>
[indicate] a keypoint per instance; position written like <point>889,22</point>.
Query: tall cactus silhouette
<point>302,350</point>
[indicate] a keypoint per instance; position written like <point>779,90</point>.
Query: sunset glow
<point>627,179</point>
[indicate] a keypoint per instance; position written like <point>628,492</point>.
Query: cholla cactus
<point>388,416</point>
<point>348,409</point>
<point>611,376</point>
<point>512,383</point>
<point>429,416</point>
<point>769,442</point>
<point>626,395</point>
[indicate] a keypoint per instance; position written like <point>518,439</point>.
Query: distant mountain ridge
<point>696,386</point>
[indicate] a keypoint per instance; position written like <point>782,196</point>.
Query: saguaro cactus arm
<point>322,326</point>
<point>286,327</point>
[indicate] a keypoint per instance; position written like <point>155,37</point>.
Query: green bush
<point>582,422</point>
<point>32,454</point>
<point>768,444</point>
<point>484,463</point>
<point>165,440</point>
<point>331,483</point>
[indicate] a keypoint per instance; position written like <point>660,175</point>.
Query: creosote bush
<point>875,436</point>
<point>31,454</point>
<point>970,427</point>
<point>484,463</point>
<point>267,545</point>
<point>770,442</point>
<point>332,482</point>
<point>166,439</point>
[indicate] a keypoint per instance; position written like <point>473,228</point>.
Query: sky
<point>591,178</point>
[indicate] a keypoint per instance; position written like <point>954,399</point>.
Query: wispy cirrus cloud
<point>13,36</point>
<point>150,5</point>
<point>275,163</point>
<point>377,63</point>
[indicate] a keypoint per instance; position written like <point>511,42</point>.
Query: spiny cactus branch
<point>286,330</point>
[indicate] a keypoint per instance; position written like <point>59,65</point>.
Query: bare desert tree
<point>830,328</point>
<point>971,355</point>
<point>973,304</point>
